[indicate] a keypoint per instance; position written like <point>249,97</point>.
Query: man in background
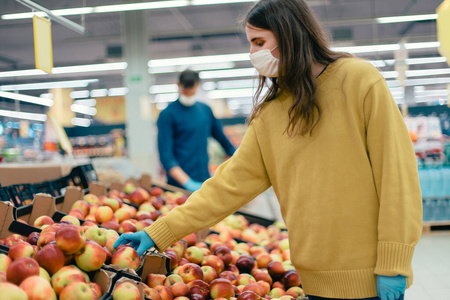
<point>183,131</point>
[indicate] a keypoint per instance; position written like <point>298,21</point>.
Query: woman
<point>331,141</point>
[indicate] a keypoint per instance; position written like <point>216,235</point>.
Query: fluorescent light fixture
<point>244,72</point>
<point>48,85</point>
<point>82,122</point>
<point>23,115</point>
<point>427,93</point>
<point>195,60</point>
<point>91,68</point>
<point>82,109</point>
<point>411,18</point>
<point>66,70</point>
<point>230,84</point>
<point>159,98</point>
<point>209,85</point>
<point>426,45</point>
<point>212,2</point>
<point>79,94</point>
<point>427,81</point>
<point>101,9</point>
<point>390,74</point>
<point>425,60</point>
<point>26,98</point>
<point>99,93</point>
<point>86,102</point>
<point>232,93</point>
<point>367,49</point>
<point>120,91</point>
<point>163,89</point>
<point>427,72</point>
<point>47,96</point>
<point>199,67</point>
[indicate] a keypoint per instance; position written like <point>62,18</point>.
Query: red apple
<point>254,287</point>
<point>51,258</point>
<point>70,239</point>
<point>81,204</point>
<point>111,225</point>
<point>91,257</point>
<point>179,289</point>
<point>191,239</point>
<point>233,269</point>
<point>263,260</point>
<point>190,272</point>
<point>215,262</point>
<point>261,275</point>
<point>224,253</point>
<point>103,214</point>
<point>164,292</point>
<point>14,238</point>
<point>156,191</point>
<point>113,203</point>
<point>245,279</point>
<point>221,288</point>
<point>38,288</point>
<point>43,220</point>
<point>276,292</point>
<point>97,235</point>
<point>127,226</point>
<point>199,287</point>
<point>194,255</point>
<point>70,219</point>
<point>22,268</point>
<point>21,249</point>
<point>172,255</point>
<point>248,295</point>
<point>96,289</point>
<point>126,291</point>
<point>153,280</point>
<point>77,213</point>
<point>151,293</point>
<point>65,276</point>
<point>290,279</point>
<point>276,270</point>
<point>265,285</point>
<point>230,276</point>
<point>209,273</point>
<point>45,238</point>
<point>126,257</point>
<point>33,238</point>
<point>172,279</point>
<point>278,284</point>
<point>3,276</point>
<point>91,199</point>
<point>123,214</point>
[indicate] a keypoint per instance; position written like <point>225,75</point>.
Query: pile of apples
<point>218,271</point>
<point>56,261</point>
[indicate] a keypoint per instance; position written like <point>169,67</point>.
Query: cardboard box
<point>9,224</point>
<point>32,173</point>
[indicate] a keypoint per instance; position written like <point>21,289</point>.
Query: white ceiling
<point>201,30</point>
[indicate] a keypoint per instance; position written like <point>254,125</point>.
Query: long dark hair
<point>301,42</point>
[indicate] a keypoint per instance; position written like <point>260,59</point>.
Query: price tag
<point>43,44</point>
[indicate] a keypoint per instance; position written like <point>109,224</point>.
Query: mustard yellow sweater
<point>349,194</point>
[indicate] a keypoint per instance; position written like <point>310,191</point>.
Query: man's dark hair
<point>188,78</point>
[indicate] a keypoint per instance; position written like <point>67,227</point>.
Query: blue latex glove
<point>391,287</point>
<point>140,241</point>
<point>192,185</point>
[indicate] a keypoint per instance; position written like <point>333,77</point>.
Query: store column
<point>140,124</point>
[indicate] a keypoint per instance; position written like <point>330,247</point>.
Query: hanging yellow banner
<point>443,26</point>
<point>43,44</point>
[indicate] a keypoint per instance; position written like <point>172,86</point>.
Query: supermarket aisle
<point>431,264</point>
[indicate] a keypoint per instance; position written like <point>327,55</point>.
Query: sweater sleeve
<point>217,133</point>
<point>396,178</point>
<point>165,141</point>
<point>236,182</point>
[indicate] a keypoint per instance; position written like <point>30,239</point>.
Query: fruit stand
<point>62,245</point>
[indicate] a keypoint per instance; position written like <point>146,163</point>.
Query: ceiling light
<point>425,60</point>
<point>79,94</point>
<point>120,91</point>
<point>82,109</point>
<point>390,74</point>
<point>431,93</point>
<point>48,85</point>
<point>23,115</point>
<point>81,122</point>
<point>421,81</point>
<point>194,60</point>
<point>426,45</point>
<point>212,2</point>
<point>401,19</point>
<point>86,102</point>
<point>427,72</point>
<point>67,70</point>
<point>163,89</point>
<point>159,98</point>
<point>367,49</point>
<point>233,93</point>
<point>244,72</point>
<point>47,96</point>
<point>26,98</point>
<point>99,93</point>
<point>139,6</point>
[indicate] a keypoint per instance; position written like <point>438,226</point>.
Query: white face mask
<point>187,101</point>
<point>265,63</point>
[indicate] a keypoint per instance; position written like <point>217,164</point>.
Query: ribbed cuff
<point>161,235</point>
<point>394,259</point>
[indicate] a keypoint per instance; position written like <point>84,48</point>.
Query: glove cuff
<point>394,259</point>
<point>161,235</point>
